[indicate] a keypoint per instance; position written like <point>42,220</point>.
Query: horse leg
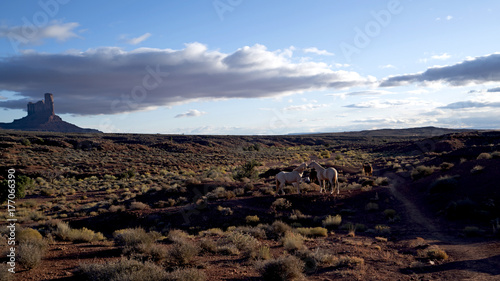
<point>277,187</point>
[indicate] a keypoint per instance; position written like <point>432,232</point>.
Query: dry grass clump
<point>245,243</point>
<point>382,229</point>
<point>182,253</point>
<point>313,231</point>
<point>477,169</point>
<point>292,241</point>
<point>421,172</point>
<point>281,204</point>
<point>484,155</point>
<point>31,247</point>
<point>63,231</point>
<point>371,206</point>
<point>331,222</point>
<point>137,243</point>
<point>252,220</point>
<point>123,269</point>
<point>280,228</point>
<point>187,274</point>
<point>5,275</point>
<point>433,253</point>
<point>285,268</point>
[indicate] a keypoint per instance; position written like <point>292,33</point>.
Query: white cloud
<point>109,80</point>
<point>387,66</point>
<point>441,57</point>
<point>137,40</point>
<point>316,51</point>
<point>191,113</point>
<point>449,17</point>
<point>35,35</point>
<point>478,70</point>
<point>302,107</point>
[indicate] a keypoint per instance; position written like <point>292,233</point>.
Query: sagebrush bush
<point>187,274</point>
<point>371,206</point>
<point>280,228</point>
<point>281,204</point>
<point>444,184</point>
<point>182,253</point>
<point>313,231</point>
<point>64,232</point>
<point>484,155</point>
<point>30,254</point>
<point>421,172</point>
<point>253,220</point>
<point>332,221</point>
<point>246,243</point>
<point>285,268</point>
<point>382,229</point>
<point>434,253</point>
<point>121,270</point>
<point>292,241</point>
<point>5,275</point>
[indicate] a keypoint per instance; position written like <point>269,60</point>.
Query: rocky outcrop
<point>41,117</point>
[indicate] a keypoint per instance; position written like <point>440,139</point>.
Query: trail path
<point>470,259</point>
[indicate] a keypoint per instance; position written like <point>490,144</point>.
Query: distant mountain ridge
<point>428,131</point>
<point>41,117</point>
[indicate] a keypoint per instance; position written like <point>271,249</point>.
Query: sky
<point>240,67</point>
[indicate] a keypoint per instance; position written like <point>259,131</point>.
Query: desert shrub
<point>226,211</point>
<point>477,169</point>
<point>239,191</point>
<point>187,274</point>
<point>29,254</point>
<point>256,232</point>
<point>434,253</point>
<point>347,261</point>
<point>381,229</point>
<point>182,253</point>
<point>281,204</point>
<point>444,184</point>
<point>286,268</point>
<point>390,213</point>
<point>64,232</point>
<point>177,235</point>
<point>22,183</point>
<point>472,231</point>
<point>484,155</point>
<point>121,270</point>
<point>371,206</point>
<point>445,166</point>
<point>247,170</point>
<point>245,243</point>
<point>135,240</point>
<point>280,228</point>
<point>461,209</point>
<point>421,172</point>
<point>264,253</point>
<point>138,206</point>
<point>495,154</point>
<point>350,227</point>
<point>292,241</point>
<point>228,250</point>
<point>208,246</point>
<point>28,234</point>
<point>313,231</point>
<point>325,154</point>
<point>332,221</point>
<point>382,181</point>
<point>212,232</point>
<point>253,220</point>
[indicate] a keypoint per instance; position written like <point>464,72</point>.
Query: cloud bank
<point>191,113</point>
<point>34,35</point>
<point>478,70</point>
<point>110,80</point>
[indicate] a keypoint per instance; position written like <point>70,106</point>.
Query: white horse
<point>294,177</point>
<point>324,175</point>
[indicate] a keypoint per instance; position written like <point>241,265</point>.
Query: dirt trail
<point>469,259</point>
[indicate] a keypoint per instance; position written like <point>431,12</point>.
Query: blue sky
<point>253,67</point>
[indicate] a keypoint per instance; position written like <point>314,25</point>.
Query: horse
<point>324,175</point>
<point>294,177</point>
<point>367,169</point>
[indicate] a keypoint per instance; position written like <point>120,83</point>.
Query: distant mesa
<point>41,117</point>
